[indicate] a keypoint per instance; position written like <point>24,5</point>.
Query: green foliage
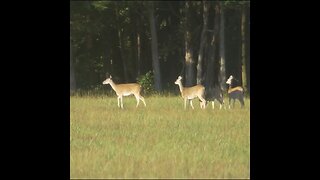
<point>235,4</point>
<point>147,82</point>
<point>101,5</point>
<point>95,40</point>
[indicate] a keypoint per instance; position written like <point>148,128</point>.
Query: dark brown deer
<point>235,91</point>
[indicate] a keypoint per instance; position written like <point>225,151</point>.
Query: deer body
<point>235,92</point>
<point>238,88</point>
<point>212,94</point>
<point>189,93</point>
<point>125,90</point>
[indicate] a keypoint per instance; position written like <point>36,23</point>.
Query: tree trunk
<point>248,48</point>
<point>72,76</point>
<point>210,78</point>
<point>202,41</point>
<point>138,48</point>
<point>125,70</point>
<point>243,48</point>
<point>189,68</point>
<point>222,51</point>
<point>154,49</point>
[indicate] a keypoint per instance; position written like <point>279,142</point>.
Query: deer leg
<point>229,102</point>
<point>202,105</point>
<point>213,104</point>
<point>241,101</point>
<point>118,101</point>
<point>221,102</point>
<point>138,100</point>
<point>191,103</point>
<point>142,99</point>
<point>203,101</point>
<point>121,98</point>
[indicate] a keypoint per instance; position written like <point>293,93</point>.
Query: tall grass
<point>161,140</point>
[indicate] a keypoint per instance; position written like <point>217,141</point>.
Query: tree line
<point>203,41</point>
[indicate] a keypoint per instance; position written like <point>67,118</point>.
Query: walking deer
<point>125,90</point>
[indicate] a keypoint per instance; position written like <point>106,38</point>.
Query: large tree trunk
<point>202,41</point>
<point>189,68</point>
<point>138,48</point>
<point>248,48</point>
<point>222,51</point>
<point>125,70</point>
<point>154,48</point>
<point>243,47</point>
<point>210,78</point>
<point>72,76</point>
<point>138,54</point>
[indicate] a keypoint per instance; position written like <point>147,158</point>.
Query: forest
<point>156,41</point>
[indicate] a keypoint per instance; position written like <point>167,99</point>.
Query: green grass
<point>161,140</point>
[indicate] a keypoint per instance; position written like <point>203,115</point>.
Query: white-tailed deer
<point>125,90</point>
<point>235,92</point>
<point>189,93</point>
<point>212,94</point>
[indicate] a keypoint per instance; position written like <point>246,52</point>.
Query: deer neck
<point>113,85</point>
<point>180,87</point>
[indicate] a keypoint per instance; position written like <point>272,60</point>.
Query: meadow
<point>162,140</point>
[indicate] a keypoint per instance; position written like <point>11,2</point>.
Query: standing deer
<point>125,90</point>
<point>235,92</point>
<point>212,94</point>
<point>189,93</point>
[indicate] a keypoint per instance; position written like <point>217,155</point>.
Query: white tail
<point>189,93</point>
<point>125,90</point>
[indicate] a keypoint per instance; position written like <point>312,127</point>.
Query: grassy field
<point>161,140</point>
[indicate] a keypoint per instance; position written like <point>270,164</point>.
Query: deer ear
<point>110,76</point>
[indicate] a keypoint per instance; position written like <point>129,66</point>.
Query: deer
<point>125,90</point>
<point>189,93</point>
<point>212,94</point>
<point>235,92</point>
